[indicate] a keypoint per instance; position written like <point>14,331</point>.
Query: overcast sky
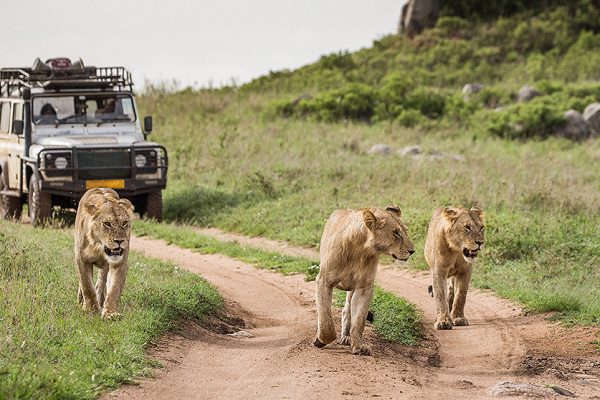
<point>195,42</point>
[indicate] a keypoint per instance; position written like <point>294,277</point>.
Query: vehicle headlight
<point>60,163</point>
<point>140,160</point>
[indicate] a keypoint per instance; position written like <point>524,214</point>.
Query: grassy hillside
<point>275,156</point>
<point>50,348</point>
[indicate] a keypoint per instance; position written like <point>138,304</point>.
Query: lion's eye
<point>107,224</point>
<point>125,224</point>
<point>397,234</point>
<point>467,228</point>
<point>482,228</point>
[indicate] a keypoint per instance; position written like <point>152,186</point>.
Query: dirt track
<point>501,344</point>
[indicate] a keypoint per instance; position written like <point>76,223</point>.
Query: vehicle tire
<point>154,206</point>
<point>40,203</point>
<point>12,206</point>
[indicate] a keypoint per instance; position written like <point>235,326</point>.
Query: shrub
<point>409,118</point>
<point>536,119</point>
<point>352,101</point>
<point>428,101</point>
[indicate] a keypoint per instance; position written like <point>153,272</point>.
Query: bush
<point>536,119</point>
<point>428,101</point>
<point>409,118</point>
<point>352,101</point>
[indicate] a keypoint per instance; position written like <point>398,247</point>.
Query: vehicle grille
<point>104,164</point>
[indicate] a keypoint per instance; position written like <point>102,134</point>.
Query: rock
<point>591,115</point>
<point>241,335</point>
<point>418,15</point>
<point>472,88</point>
<point>562,391</point>
<point>410,150</point>
<point>576,127</point>
<point>380,148</point>
<point>527,93</point>
<point>556,373</point>
<point>502,389</point>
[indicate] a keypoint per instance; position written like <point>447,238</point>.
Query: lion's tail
<point>430,290</point>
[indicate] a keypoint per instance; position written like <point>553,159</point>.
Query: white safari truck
<point>65,128</point>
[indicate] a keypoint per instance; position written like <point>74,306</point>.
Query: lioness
<point>454,238</point>
<point>102,231</point>
<point>351,244</point>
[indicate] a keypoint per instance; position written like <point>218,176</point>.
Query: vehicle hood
<point>87,141</point>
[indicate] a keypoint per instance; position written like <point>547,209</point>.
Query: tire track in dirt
<point>280,360</point>
<point>498,344</point>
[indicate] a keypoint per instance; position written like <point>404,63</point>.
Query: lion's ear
<point>451,213</point>
<point>91,208</point>
<point>370,219</point>
<point>127,204</point>
<point>394,209</point>
<point>477,211</point>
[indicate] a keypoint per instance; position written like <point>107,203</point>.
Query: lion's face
<point>390,234</point>
<point>466,232</point>
<point>111,228</point>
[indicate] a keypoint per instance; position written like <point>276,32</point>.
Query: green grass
<point>51,349</point>
<point>187,238</point>
<point>396,319</point>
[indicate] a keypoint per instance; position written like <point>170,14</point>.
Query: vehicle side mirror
<point>18,127</point>
<point>147,124</point>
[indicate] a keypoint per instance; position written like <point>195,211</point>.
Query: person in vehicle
<point>108,109</point>
<point>47,115</point>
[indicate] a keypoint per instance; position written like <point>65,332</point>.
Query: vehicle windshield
<point>83,109</point>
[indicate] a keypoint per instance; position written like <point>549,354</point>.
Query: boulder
<point>410,150</point>
<point>527,93</point>
<point>472,88</point>
<point>576,127</point>
<point>380,148</point>
<point>591,115</point>
<point>418,15</point>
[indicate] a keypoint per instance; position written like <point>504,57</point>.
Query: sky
<point>198,43</point>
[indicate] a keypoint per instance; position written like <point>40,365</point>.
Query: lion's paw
<point>111,315</point>
<point>460,321</point>
<point>362,350</point>
<point>93,308</point>
<point>318,343</point>
<point>345,340</point>
<point>442,324</point>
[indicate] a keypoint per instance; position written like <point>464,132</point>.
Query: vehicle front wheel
<point>154,206</point>
<point>40,203</point>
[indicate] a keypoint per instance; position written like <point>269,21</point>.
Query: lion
<point>102,232</point>
<point>351,244</point>
<point>454,238</point>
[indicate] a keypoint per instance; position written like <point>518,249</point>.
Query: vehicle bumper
<point>132,187</point>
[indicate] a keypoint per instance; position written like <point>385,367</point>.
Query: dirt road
<point>501,344</point>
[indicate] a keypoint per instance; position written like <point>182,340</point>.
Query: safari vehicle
<point>65,128</point>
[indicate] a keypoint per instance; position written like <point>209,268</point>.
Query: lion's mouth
<point>114,252</point>
<point>470,254</point>
<point>395,257</point>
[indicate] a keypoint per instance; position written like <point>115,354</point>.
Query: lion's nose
<point>411,252</point>
<point>119,241</point>
<point>479,243</point>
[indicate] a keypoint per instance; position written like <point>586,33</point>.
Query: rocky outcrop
<point>527,93</point>
<point>575,128</point>
<point>418,15</point>
<point>591,115</point>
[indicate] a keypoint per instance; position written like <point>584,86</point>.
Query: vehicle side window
<point>4,117</point>
<point>17,112</point>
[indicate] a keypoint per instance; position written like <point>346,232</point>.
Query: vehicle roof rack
<point>60,74</point>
